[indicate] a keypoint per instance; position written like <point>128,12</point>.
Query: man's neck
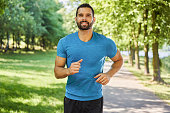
<point>85,35</point>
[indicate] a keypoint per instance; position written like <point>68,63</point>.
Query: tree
<point>53,22</point>
<point>37,21</point>
<point>3,5</point>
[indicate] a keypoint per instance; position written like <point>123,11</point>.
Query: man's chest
<point>90,53</point>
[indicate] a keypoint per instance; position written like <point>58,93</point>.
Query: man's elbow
<point>57,77</point>
<point>56,74</point>
<point>121,61</point>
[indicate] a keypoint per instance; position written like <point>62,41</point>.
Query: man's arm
<point>61,72</point>
<point>118,62</point>
<point>104,78</point>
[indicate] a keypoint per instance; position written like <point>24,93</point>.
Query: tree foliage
<point>36,22</point>
<point>3,4</point>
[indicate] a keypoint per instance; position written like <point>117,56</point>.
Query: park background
<point>31,29</point>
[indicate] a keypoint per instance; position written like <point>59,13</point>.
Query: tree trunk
<point>33,41</point>
<point>156,63</point>
<point>137,60</point>
<point>43,41</point>
<point>27,42</point>
<point>18,40</point>
<point>146,58</point>
<point>7,46</point>
<point>146,43</point>
<point>131,54</point>
<point>51,46</point>
<point>1,45</point>
<point>13,38</point>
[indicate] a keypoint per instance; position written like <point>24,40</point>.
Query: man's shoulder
<point>102,37</point>
<point>71,35</point>
<point>99,35</point>
<point>68,37</point>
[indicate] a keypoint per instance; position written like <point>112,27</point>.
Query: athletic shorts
<point>75,106</point>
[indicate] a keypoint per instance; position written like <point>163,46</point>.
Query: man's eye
<point>88,15</point>
<point>80,15</point>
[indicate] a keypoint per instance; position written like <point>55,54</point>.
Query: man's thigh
<point>74,106</point>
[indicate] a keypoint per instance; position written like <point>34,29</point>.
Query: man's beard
<point>84,27</point>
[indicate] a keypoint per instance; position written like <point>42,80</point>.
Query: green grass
<point>28,84</point>
<point>165,62</point>
<point>161,90</point>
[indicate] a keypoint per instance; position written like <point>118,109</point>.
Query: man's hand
<point>74,68</point>
<point>103,78</point>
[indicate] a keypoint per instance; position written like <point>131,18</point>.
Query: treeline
<point>134,25</point>
<point>35,22</point>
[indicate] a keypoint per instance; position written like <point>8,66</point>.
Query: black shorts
<point>75,106</point>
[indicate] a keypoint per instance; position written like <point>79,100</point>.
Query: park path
<point>125,94</point>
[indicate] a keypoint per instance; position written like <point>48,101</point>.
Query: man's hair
<point>85,5</point>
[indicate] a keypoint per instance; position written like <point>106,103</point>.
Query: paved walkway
<point>125,94</point>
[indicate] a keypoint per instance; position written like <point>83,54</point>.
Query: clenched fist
<point>75,66</point>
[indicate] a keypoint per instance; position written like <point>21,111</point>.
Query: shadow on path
<point>127,100</point>
<point>125,94</point>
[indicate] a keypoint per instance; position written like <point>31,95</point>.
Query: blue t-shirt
<point>83,86</point>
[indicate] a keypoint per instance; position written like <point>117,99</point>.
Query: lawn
<point>28,84</point>
<point>161,90</point>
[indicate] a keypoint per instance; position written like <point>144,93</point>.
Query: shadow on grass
<point>17,97</point>
<point>39,62</point>
<point>23,67</point>
<point>11,91</point>
<point>39,57</point>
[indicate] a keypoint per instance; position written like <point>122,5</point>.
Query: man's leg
<point>93,106</point>
<point>72,106</point>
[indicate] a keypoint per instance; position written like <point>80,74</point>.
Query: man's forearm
<point>61,72</point>
<point>115,67</point>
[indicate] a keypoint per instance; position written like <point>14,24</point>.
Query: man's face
<point>84,18</point>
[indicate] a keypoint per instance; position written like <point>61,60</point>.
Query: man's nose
<point>84,18</point>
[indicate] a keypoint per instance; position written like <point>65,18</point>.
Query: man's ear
<point>94,19</point>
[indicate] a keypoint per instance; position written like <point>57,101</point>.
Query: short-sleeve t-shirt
<point>82,86</point>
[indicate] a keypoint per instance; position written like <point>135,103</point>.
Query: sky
<point>64,1</point>
<point>68,7</point>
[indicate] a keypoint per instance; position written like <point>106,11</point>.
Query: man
<point>84,53</point>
